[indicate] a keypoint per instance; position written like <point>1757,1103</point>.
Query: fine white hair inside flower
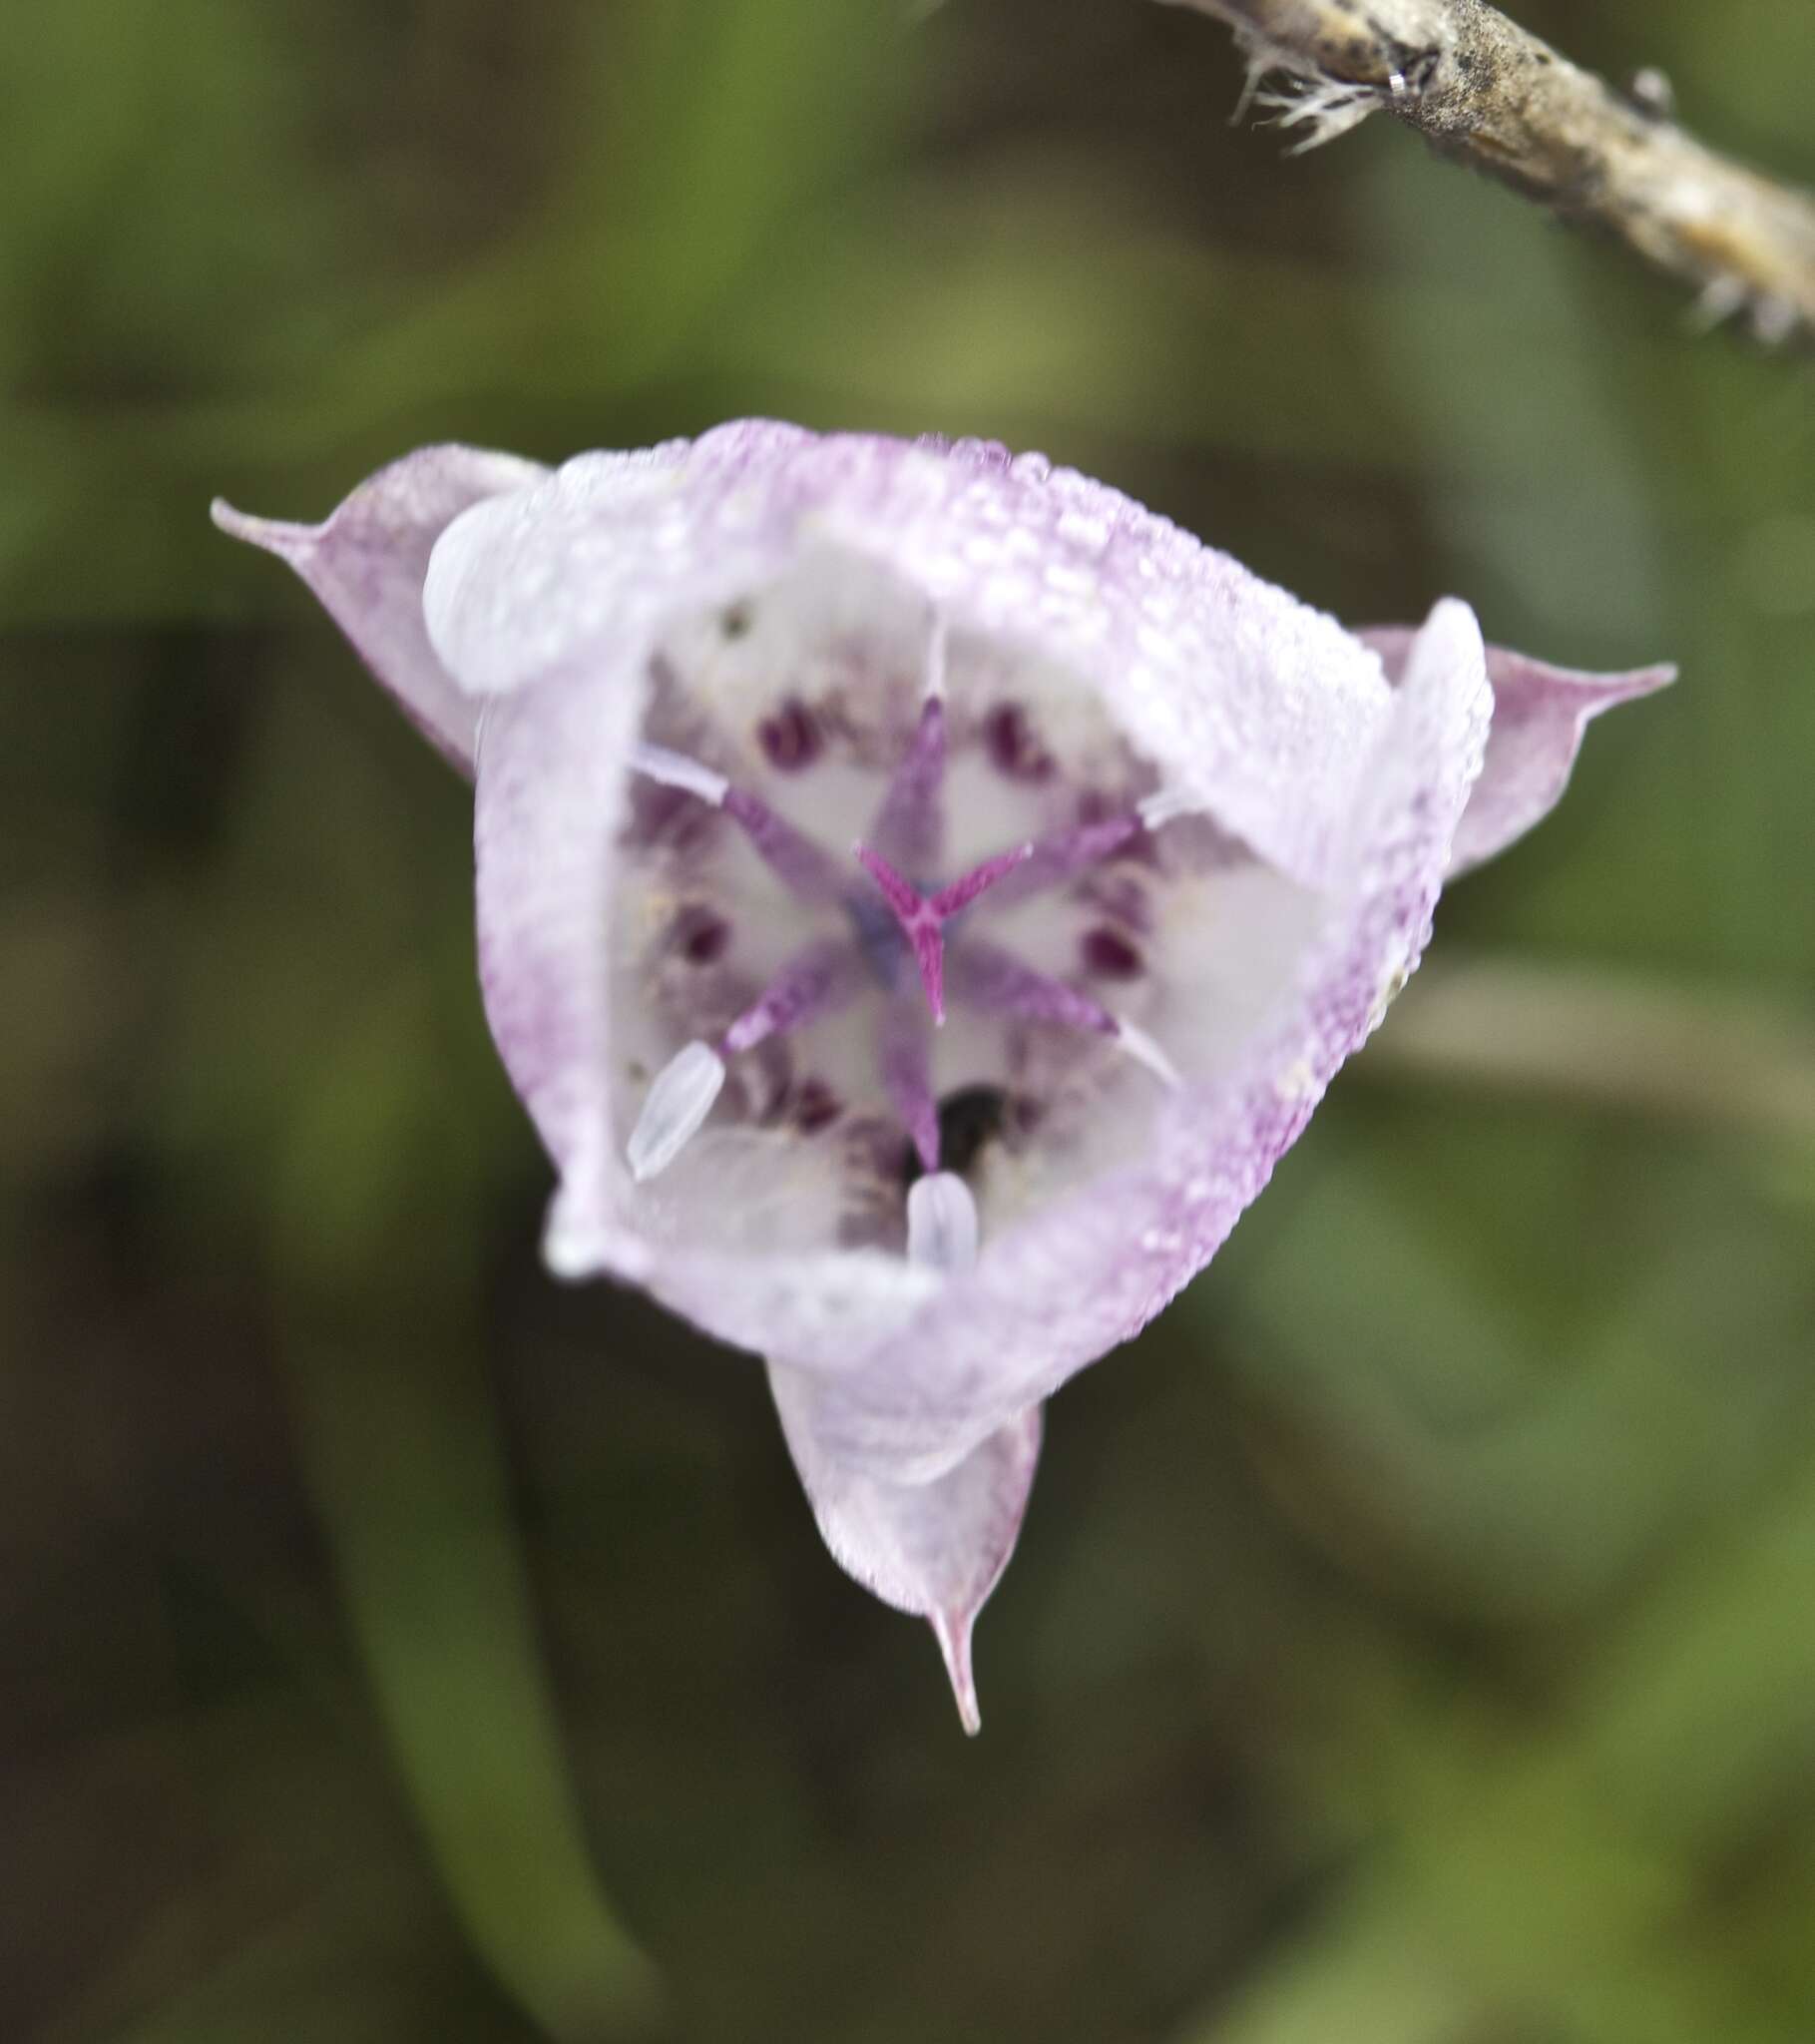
<point>909,940</point>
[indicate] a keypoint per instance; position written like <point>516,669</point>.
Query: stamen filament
<point>907,1078</point>
<point>1074,850</point>
<point>808,872</point>
<point>815,982</point>
<point>995,980</point>
<point>911,821</point>
<point>1056,858</point>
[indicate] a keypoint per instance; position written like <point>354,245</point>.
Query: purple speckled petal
<point>1541,714</point>
<point>936,1549</point>
<point>1052,1294</point>
<point>1249,702</point>
<point>366,563</point>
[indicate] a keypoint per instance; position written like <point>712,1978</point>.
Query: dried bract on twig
<point>1483,89</point>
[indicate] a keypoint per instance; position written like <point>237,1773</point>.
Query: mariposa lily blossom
<point>921,894</point>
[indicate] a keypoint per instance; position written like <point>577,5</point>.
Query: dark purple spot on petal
<point>1025,1114</point>
<point>791,738</point>
<point>1108,954</point>
<point>1013,746</point>
<point>816,1107</point>
<point>701,935</point>
<point>735,620</point>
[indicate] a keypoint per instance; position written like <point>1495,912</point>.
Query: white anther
<point>678,1103</point>
<point>1144,1051</point>
<point>1166,803</point>
<point>942,1222</point>
<point>675,769</point>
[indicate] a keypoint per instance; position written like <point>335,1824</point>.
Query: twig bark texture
<point>1484,90</point>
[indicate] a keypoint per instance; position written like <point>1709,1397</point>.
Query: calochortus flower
<point>921,894</point>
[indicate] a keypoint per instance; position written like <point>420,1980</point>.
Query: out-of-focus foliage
<point>1414,1635</point>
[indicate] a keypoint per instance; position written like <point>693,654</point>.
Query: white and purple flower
<point>921,894</point>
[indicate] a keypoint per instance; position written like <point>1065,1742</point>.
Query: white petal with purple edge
<point>368,561</point>
<point>1249,703</point>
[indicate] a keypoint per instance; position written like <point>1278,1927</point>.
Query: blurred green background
<point>1413,1637</point>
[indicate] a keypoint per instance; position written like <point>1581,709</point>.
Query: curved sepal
<point>935,1549</point>
<point>366,562</point>
<point>1541,714</point>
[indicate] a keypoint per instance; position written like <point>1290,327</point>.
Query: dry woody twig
<point>1483,89</point>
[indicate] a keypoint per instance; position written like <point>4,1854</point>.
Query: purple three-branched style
<point>921,894</point>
